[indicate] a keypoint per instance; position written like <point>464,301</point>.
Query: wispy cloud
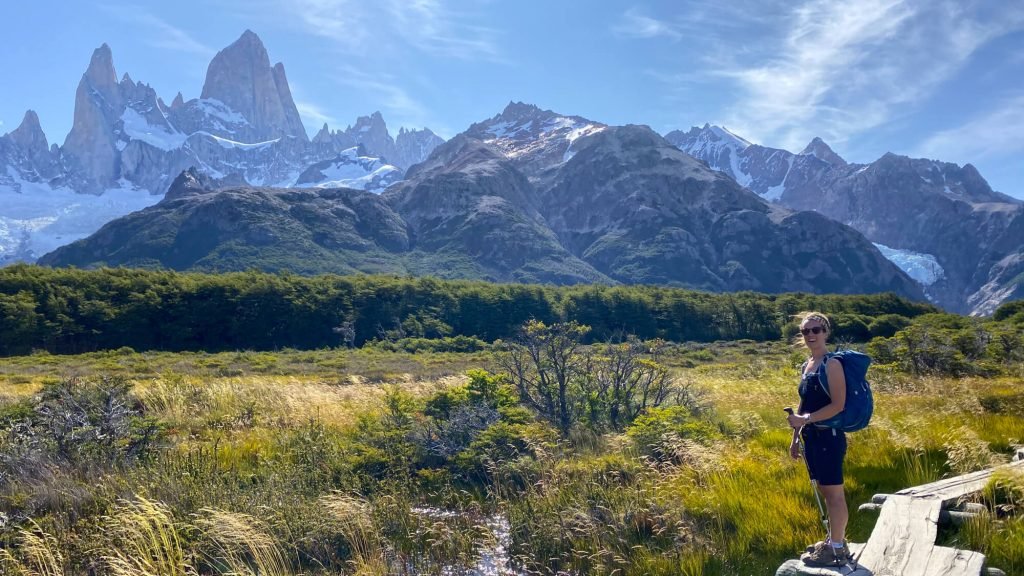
<point>843,68</point>
<point>395,101</point>
<point>313,115</point>
<point>430,26</point>
<point>636,25</point>
<point>159,33</point>
<point>997,134</point>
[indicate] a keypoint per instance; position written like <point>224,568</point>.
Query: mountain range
<point>966,240</point>
<point>243,129</point>
<point>529,195</point>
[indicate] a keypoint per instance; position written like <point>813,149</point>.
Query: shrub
<point>654,431</point>
<point>887,325</point>
<point>507,454</point>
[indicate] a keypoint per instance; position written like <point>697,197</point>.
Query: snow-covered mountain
<point>127,146</point>
<point>940,222</point>
<point>351,168</point>
<point>371,132</point>
<point>534,140</point>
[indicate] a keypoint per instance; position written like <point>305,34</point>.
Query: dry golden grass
<point>353,517</point>
<point>241,544</point>
<point>38,555</point>
<point>146,541</point>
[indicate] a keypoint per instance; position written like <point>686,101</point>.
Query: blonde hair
<point>820,317</point>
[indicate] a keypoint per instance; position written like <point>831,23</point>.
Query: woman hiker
<point>824,448</point>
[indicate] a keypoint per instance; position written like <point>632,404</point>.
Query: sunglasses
<point>812,330</point>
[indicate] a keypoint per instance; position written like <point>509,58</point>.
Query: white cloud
<point>998,133</point>
<point>430,26</point>
<point>159,33</point>
<point>842,68</point>
<point>637,25</point>
<point>394,100</point>
<point>313,115</point>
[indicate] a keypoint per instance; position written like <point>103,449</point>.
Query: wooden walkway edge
<point>903,541</point>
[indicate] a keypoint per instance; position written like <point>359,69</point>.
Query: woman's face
<point>814,334</point>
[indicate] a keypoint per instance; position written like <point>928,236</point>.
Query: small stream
<point>494,559</point>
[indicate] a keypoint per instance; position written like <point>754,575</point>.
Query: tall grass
<point>241,544</point>
<point>146,541</point>
<point>353,516</point>
<point>38,554</point>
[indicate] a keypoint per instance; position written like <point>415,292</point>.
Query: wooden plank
<point>903,537</point>
<point>952,562</point>
<point>954,488</point>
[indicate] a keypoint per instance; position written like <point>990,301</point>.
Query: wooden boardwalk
<point>903,541</point>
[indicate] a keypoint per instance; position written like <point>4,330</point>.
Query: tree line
<point>73,311</point>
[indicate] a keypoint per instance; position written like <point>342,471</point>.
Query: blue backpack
<point>860,403</point>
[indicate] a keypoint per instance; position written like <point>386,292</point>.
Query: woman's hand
<point>794,450</point>
<point>797,421</point>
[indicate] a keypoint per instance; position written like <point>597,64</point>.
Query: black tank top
<point>812,394</point>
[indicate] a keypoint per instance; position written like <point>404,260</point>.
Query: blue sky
<point>932,78</point>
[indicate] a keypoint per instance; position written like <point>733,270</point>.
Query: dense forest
<point>72,311</point>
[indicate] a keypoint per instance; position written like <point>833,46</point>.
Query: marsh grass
<point>301,462</point>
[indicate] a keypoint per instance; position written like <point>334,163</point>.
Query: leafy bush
<point>850,328</point>
<point>658,429</point>
<point>507,454</point>
<point>887,325</point>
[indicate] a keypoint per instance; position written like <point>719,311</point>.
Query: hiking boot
<point>844,554</point>
<point>826,555</point>
<point>816,545</point>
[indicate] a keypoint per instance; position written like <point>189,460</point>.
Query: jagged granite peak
<point>240,76</point>
<point>100,74</point>
<point>818,148</point>
<point>323,136</point>
<point>26,151</point>
<point>178,101</point>
<point>91,144</point>
<point>29,134</point>
<point>372,132</point>
<point>414,146</point>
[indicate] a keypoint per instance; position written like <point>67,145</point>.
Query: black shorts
<point>824,451</point>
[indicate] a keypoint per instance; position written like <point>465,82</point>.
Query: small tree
<point>626,382</point>
<point>546,368</point>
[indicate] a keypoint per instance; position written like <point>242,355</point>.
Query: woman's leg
<point>838,515</point>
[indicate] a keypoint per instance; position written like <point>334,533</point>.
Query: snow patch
<point>229,144</point>
<point>923,268</point>
<point>349,170</point>
<point>218,109</point>
<point>40,219</point>
<point>138,128</point>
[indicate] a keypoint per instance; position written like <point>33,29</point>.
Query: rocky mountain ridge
<point>528,196</point>
<point>937,210</point>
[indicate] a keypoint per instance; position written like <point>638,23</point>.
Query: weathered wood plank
<point>903,537</point>
<point>954,488</point>
<point>953,562</point>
